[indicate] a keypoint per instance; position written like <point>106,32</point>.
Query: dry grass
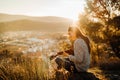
<point>16,66</point>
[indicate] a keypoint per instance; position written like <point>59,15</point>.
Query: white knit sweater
<point>81,56</point>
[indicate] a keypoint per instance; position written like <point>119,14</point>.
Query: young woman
<point>79,58</point>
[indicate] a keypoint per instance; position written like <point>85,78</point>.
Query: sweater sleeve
<point>79,50</point>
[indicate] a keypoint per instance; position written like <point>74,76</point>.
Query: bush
<point>110,64</point>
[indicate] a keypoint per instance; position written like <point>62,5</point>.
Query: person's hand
<point>65,54</point>
<point>52,56</point>
<point>60,53</point>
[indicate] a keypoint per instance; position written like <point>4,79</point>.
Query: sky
<point>61,8</point>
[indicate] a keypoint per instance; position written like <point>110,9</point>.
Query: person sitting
<point>78,58</point>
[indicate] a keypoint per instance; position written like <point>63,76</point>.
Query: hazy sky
<point>62,8</point>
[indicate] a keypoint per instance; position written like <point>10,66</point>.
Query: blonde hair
<point>81,35</point>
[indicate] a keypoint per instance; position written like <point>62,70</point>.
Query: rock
<point>61,74</point>
<point>83,76</point>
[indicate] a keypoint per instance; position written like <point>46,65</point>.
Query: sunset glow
<point>62,8</point>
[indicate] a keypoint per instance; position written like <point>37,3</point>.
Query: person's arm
<point>69,52</point>
<point>79,51</point>
<point>53,56</point>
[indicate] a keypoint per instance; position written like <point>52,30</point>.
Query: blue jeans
<point>66,63</point>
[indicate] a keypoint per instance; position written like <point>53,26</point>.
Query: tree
<point>107,13</point>
<point>93,30</point>
<point>115,22</point>
<point>115,38</point>
<point>103,10</point>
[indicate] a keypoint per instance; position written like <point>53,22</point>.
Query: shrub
<point>112,63</point>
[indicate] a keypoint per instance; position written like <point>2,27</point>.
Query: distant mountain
<point>46,23</point>
<point>7,18</point>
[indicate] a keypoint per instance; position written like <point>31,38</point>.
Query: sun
<point>76,9</point>
<point>75,18</point>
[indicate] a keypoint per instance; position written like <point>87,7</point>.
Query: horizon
<point>33,15</point>
<point>39,8</point>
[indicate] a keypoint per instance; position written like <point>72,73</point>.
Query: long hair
<point>81,35</point>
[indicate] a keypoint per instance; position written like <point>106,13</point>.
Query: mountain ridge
<point>44,24</point>
<point>9,17</point>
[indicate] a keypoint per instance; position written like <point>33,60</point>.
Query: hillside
<point>46,23</point>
